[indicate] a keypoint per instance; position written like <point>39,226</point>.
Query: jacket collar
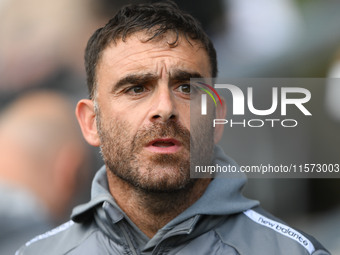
<point>222,197</point>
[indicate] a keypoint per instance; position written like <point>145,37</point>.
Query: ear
<point>87,121</point>
<point>221,113</point>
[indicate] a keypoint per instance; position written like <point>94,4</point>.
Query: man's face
<point>143,110</point>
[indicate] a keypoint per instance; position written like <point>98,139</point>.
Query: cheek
<point>128,119</point>
<point>184,115</point>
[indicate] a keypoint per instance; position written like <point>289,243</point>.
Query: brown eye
<point>136,90</point>
<point>185,88</point>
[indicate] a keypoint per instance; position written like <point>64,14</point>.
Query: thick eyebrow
<point>143,78</point>
<point>134,79</point>
<point>184,76</point>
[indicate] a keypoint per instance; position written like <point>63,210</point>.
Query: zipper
<point>127,238</point>
<point>159,247</point>
<point>105,220</point>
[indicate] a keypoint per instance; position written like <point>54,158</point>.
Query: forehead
<point>135,54</point>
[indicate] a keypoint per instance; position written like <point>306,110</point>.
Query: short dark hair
<point>154,18</point>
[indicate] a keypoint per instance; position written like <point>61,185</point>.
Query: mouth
<point>164,145</point>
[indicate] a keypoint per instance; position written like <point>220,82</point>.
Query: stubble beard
<point>162,177</point>
<point>161,173</point>
<point>122,154</point>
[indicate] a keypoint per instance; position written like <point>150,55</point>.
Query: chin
<point>164,179</point>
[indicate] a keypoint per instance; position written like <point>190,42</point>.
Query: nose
<point>163,105</point>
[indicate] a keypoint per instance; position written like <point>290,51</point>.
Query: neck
<point>150,211</point>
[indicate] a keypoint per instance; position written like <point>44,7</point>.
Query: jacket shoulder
<point>255,231</point>
<point>60,240</point>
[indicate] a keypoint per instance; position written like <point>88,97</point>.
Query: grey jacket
<point>222,221</point>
